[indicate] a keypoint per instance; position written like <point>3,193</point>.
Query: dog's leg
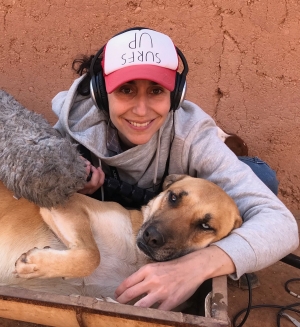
<point>71,225</point>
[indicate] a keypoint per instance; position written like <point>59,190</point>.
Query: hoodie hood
<point>81,120</point>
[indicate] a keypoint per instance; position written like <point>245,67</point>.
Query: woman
<point>129,116</point>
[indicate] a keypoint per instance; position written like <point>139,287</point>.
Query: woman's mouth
<point>139,125</point>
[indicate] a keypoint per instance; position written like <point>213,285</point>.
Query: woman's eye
<point>157,91</point>
<point>126,90</point>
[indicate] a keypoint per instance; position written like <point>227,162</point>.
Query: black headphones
<point>98,89</point>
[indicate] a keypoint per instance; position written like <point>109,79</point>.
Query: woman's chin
<point>136,139</point>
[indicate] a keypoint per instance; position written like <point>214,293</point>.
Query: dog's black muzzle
<point>153,238</point>
<point>150,241</point>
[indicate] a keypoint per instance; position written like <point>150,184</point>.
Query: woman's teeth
<point>139,124</point>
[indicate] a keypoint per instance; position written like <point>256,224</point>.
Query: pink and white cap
<point>140,54</point>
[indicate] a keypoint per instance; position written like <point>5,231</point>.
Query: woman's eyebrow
<point>134,82</point>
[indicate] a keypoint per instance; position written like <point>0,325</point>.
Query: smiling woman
<point>128,114</point>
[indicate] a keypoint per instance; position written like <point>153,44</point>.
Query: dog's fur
<point>93,243</point>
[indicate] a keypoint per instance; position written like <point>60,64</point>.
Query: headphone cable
<point>247,310</point>
<point>280,313</point>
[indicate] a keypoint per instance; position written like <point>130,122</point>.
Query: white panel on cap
<point>138,47</point>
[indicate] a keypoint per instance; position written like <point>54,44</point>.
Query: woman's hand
<point>95,179</point>
<point>173,282</point>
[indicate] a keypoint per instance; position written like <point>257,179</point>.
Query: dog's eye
<point>204,223</point>
<point>172,197</point>
<point>205,226</point>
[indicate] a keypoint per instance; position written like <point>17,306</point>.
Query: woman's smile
<point>140,125</point>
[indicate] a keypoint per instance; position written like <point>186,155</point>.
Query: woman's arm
<point>269,231</point>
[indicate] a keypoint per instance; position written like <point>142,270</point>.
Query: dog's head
<point>189,214</point>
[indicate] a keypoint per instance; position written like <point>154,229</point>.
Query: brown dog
<point>93,243</point>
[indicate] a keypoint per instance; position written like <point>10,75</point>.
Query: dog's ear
<point>170,179</point>
<point>238,221</point>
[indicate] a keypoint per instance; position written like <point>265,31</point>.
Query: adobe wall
<point>244,58</point>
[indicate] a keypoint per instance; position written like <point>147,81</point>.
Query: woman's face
<point>138,109</point>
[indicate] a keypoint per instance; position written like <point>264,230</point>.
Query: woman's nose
<point>141,107</point>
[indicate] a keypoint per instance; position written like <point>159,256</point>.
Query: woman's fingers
<point>135,286</point>
<point>96,178</point>
<point>125,292</point>
<point>102,176</point>
<point>172,282</point>
<point>151,283</point>
<point>148,300</point>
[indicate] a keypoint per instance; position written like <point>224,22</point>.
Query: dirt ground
<point>271,291</point>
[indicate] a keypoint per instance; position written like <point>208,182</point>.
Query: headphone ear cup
<point>99,91</point>
<point>175,92</point>
<point>102,92</point>
<point>178,94</point>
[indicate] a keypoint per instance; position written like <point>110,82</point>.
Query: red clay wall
<point>244,58</point>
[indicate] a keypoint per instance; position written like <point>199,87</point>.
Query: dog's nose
<point>153,237</point>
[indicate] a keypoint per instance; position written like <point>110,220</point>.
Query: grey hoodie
<point>269,231</point>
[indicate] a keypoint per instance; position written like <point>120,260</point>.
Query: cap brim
<point>160,75</point>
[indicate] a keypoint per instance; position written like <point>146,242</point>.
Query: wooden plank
<point>219,299</point>
<point>69,317</point>
<point>38,314</point>
<point>64,311</point>
<point>191,321</point>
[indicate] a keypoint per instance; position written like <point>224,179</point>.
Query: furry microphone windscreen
<point>36,163</point>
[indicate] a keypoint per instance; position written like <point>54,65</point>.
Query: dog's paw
<point>32,264</point>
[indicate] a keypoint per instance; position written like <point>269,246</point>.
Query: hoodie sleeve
<point>269,231</point>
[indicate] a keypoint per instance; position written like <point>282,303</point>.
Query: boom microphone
<point>36,162</point>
